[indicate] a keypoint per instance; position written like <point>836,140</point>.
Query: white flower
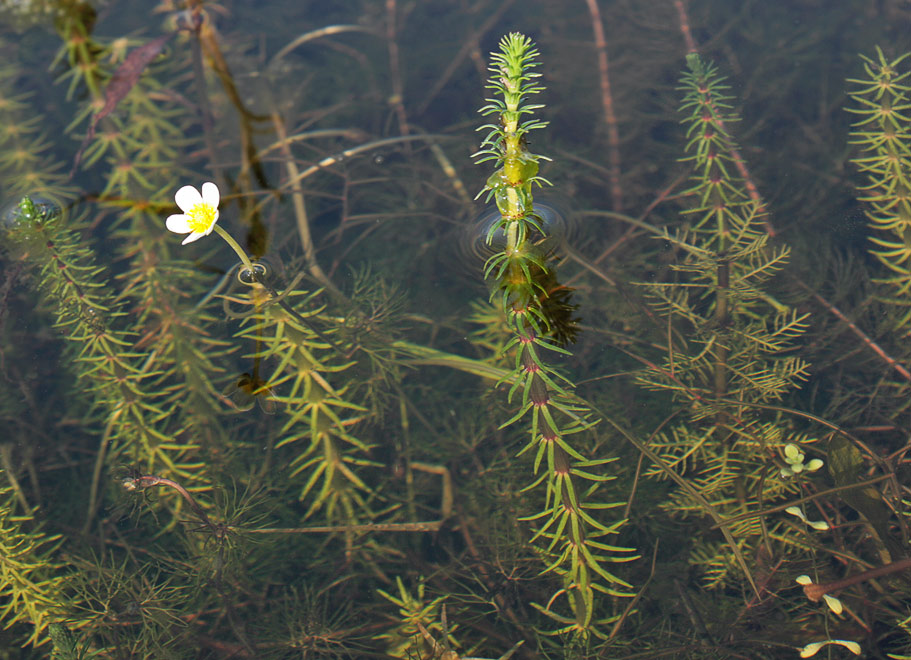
<point>200,212</point>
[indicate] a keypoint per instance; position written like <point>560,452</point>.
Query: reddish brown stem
<point>610,119</point>
<point>815,592</point>
<point>685,27</point>
<point>148,481</point>
<point>739,162</point>
<point>857,331</point>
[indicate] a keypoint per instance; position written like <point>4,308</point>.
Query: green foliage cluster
<point>412,612</point>
<point>318,416</point>
<point>732,342</point>
<point>880,102</point>
<point>27,163</point>
<point>33,584</point>
<point>86,314</point>
<point>568,525</point>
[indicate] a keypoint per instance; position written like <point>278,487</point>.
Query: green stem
<point>273,294</point>
<point>236,247</point>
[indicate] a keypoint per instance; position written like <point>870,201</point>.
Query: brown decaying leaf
<point>123,80</point>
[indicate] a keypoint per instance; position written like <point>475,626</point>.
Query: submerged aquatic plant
<point>571,537</point>
<point>405,477</point>
<point>880,102</point>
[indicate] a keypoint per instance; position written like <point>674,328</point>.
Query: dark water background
<point>394,228</point>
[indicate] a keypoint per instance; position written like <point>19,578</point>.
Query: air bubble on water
<point>244,276</point>
<point>550,218</point>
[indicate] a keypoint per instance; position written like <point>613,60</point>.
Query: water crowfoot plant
<point>200,218</point>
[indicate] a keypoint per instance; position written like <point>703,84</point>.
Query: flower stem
<point>273,294</point>
<point>235,246</point>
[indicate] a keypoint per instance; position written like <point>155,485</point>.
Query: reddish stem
<point>815,592</point>
<point>149,480</point>
<point>613,133</point>
<point>739,162</point>
<point>889,360</point>
<point>685,27</point>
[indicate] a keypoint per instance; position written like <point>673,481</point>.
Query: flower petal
<point>210,194</point>
<point>178,223</point>
<point>195,236</point>
<point>810,650</point>
<point>795,511</point>
<point>187,198</point>
<point>833,603</point>
<point>853,647</point>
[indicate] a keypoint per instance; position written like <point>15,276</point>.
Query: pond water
<point>314,344</point>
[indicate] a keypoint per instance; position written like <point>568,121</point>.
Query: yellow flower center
<point>201,217</point>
